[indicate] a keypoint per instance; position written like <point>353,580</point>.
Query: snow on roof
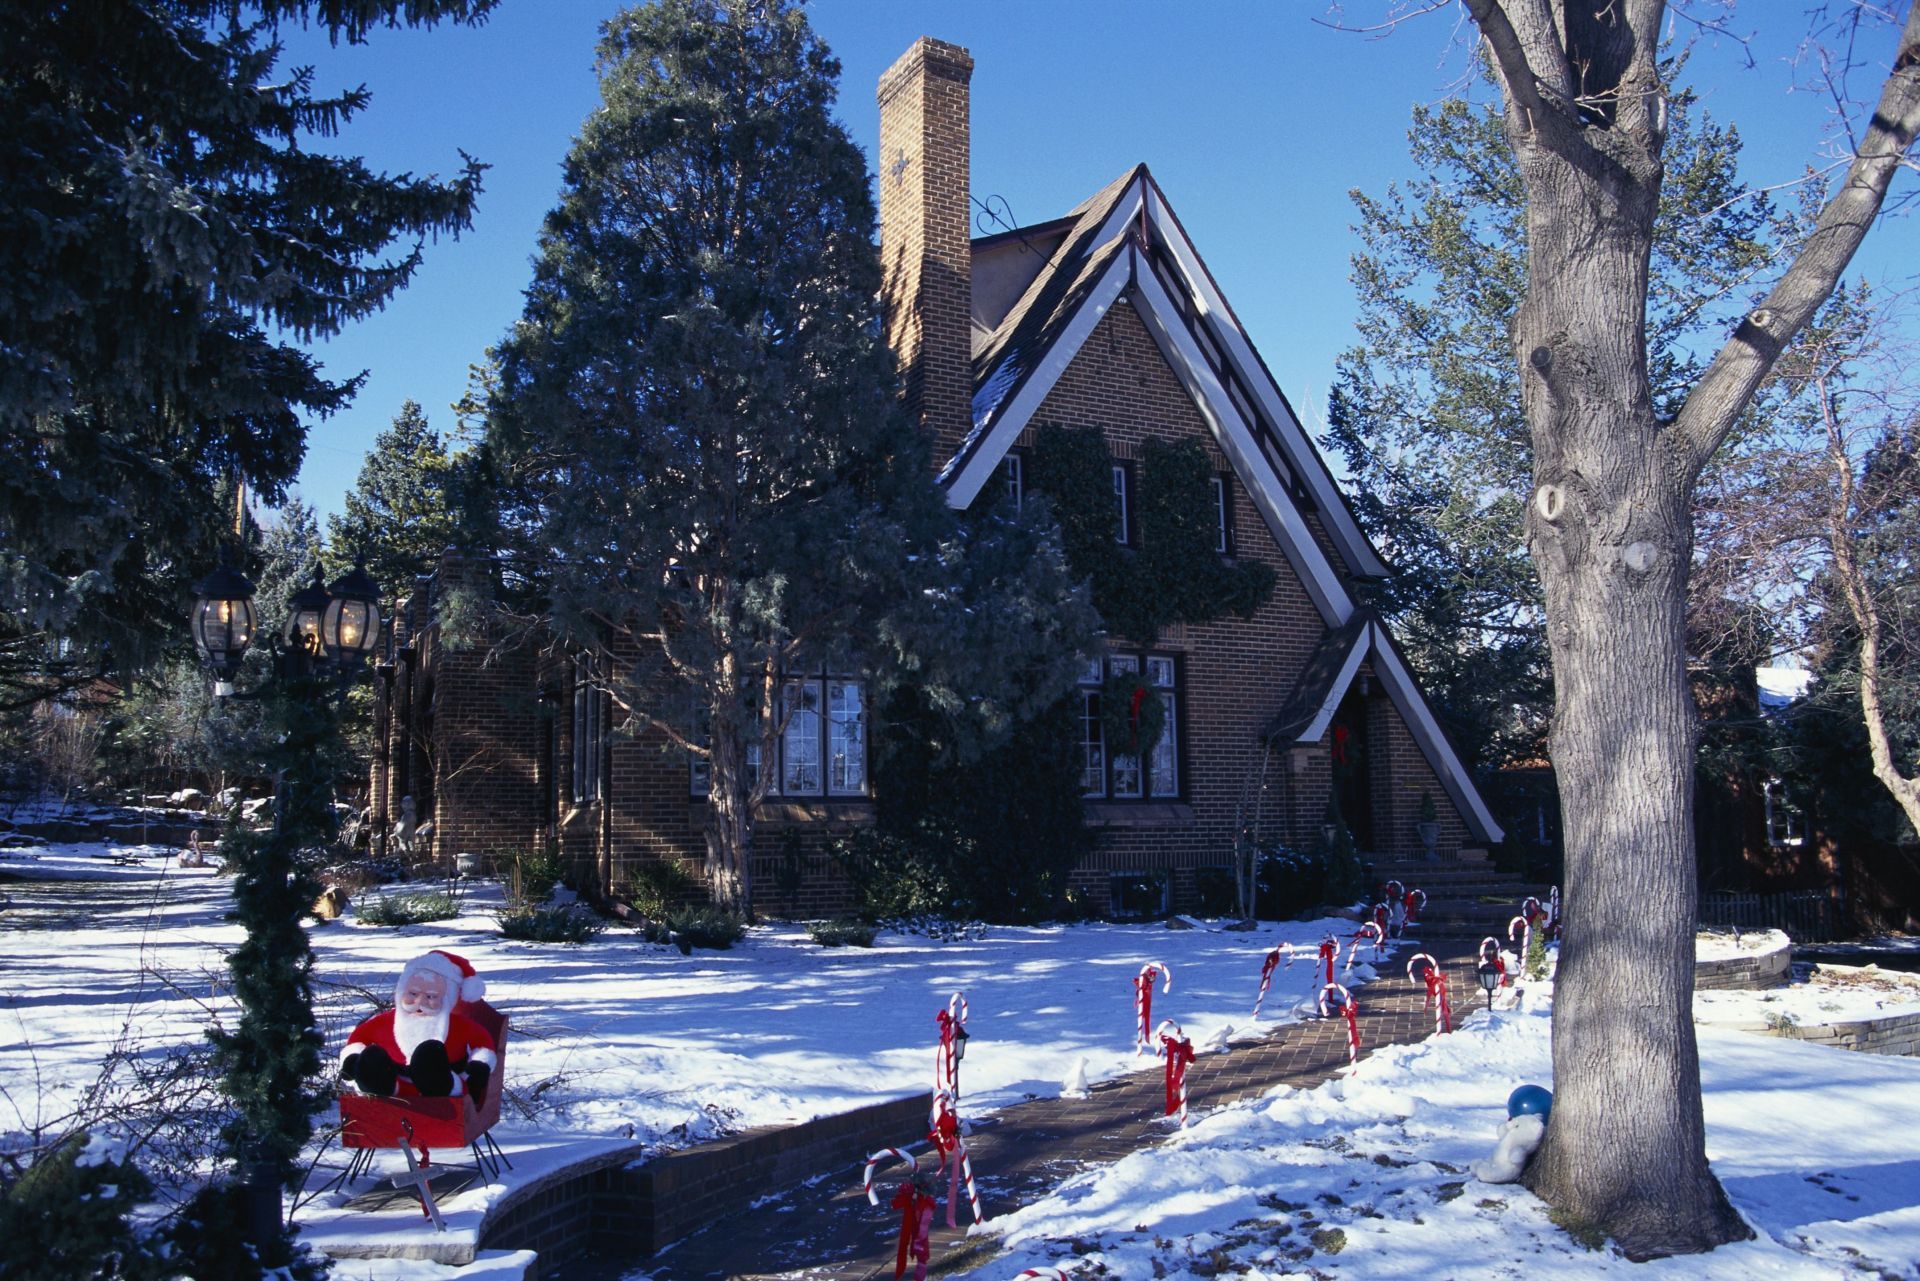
<point>1781,686</point>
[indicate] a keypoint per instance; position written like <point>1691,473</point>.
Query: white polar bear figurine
<point>1518,1138</point>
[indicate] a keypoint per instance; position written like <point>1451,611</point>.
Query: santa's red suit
<point>466,1041</point>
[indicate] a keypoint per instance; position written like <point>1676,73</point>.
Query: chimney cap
<point>930,57</point>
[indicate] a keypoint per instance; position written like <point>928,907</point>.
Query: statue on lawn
<point>423,1046</point>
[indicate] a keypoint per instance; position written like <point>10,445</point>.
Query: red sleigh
<point>370,1122</point>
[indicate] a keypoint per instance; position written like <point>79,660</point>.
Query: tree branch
<point>1746,359</point>
<point>1515,53</point>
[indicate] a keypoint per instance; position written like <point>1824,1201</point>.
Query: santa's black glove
<point>431,1073</point>
<point>373,1070</point>
<point>478,1074</point>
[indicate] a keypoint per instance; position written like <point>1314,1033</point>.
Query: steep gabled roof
<point>1125,242</point>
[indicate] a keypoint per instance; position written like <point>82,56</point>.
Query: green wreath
<point>1132,715</point>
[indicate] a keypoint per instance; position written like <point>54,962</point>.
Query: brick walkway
<point>828,1232</point>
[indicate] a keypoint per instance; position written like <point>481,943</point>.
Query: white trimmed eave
<point>1234,435</point>
<point>1014,414</point>
<point>1449,768</point>
<point>1350,665</point>
<point>1254,376</point>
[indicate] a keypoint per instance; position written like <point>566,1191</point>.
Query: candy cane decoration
<point>1329,950</point>
<point>1344,1002</point>
<point>1553,913</point>
<point>1436,981</point>
<point>1520,930</point>
<point>946,1066</point>
<point>1380,917</point>
<point>1179,1052</point>
<point>1416,902</point>
<point>1266,972</point>
<point>873,1198</point>
<point>1490,951</point>
<point>1367,931</point>
<point>951,1145</point>
<point>1143,1002</point>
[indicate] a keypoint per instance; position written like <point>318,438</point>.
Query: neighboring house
<point>1107,319</point>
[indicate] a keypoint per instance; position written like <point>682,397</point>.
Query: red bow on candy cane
<point>916,1225</point>
<point>1179,1056</point>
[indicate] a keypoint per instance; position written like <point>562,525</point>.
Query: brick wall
<point>925,155</point>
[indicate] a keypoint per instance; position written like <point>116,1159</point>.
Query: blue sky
<point>1256,120</point>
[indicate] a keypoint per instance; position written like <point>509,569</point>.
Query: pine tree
<point>1426,410</point>
<point>706,477</point>
<point>165,235</point>
<point>398,518</point>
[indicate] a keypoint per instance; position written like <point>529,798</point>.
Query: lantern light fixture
<point>306,612</point>
<point>223,624</point>
<point>1489,974</point>
<point>350,626</point>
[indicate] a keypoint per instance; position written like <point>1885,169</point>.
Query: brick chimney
<point>928,283</point>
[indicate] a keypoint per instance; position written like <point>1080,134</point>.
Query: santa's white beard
<point>409,1030</point>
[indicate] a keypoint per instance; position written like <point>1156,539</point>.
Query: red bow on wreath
<point>1340,735</point>
<point>1133,716</point>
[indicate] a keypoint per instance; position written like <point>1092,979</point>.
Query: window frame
<point>587,775</point>
<point>1123,497</point>
<point>1222,514</point>
<point>1093,733</point>
<point>779,785</point>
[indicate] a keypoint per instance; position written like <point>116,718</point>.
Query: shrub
<point>1288,882</point>
<point>66,1215</point>
<point>656,888</point>
<point>840,933</point>
<point>532,874</point>
<point>707,927</point>
<point>1214,886</point>
<point>899,874</point>
<point>1346,880</point>
<point>407,909</point>
<point>549,923</point>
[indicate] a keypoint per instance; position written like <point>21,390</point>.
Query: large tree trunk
<point>1610,533</point>
<point>729,827</point>
<point>1609,529</point>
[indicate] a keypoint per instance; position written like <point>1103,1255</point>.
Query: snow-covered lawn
<point>1363,1177</point>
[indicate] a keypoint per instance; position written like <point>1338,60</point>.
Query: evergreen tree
<point>706,477</point>
<point>287,551</point>
<point>1426,409</point>
<point>399,516</point>
<point>165,234</point>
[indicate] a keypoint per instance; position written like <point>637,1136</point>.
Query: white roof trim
<point>1227,332</point>
<point>1412,705</point>
<point>1338,690</point>
<point>1016,413</point>
<point>1234,435</point>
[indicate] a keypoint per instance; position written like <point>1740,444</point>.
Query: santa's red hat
<point>454,969</point>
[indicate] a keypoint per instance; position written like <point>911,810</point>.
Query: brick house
<point>1106,319</point>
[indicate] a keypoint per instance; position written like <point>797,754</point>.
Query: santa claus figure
<point>421,1046</point>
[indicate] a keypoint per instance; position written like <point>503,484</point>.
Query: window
<point>589,731</point>
<point>1786,827</point>
<point>1013,470</point>
<point>1120,503</point>
<point>1105,770</point>
<point>822,748</point>
<point>1220,542</point>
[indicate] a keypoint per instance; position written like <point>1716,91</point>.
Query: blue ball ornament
<point>1531,1100</point>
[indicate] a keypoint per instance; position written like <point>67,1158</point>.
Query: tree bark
<point>1609,529</point>
<point>730,800</point>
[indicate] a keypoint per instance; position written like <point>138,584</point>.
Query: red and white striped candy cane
<point>873,1162</point>
<point>1520,930</point>
<point>1343,1000</point>
<point>1436,982</point>
<point>1179,1052</point>
<point>1369,930</point>
<point>1329,952</point>
<point>1490,951</point>
<point>1143,1002</point>
<point>946,1066</point>
<point>951,1147</point>
<point>1416,902</point>
<point>1266,972</point>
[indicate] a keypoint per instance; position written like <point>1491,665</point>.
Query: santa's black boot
<point>373,1070</point>
<point>432,1074</point>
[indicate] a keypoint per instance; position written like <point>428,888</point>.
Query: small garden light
<point>1489,980</point>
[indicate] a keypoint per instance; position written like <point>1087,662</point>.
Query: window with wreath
<point>1129,727</point>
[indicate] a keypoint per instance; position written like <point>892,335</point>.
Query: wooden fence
<point>1808,916</point>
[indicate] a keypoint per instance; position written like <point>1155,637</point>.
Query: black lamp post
<point>960,1035</point>
<point>265,1056</point>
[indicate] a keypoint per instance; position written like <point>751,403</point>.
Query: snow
<point>619,1043</point>
<point>1814,1146</point>
<point>1727,946</point>
<point>1780,686</point>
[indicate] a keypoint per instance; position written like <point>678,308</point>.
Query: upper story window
<point>1222,543</point>
<point>1013,472</point>
<point>1120,503</point>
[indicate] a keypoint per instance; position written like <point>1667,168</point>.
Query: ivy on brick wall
<point>1175,574</point>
